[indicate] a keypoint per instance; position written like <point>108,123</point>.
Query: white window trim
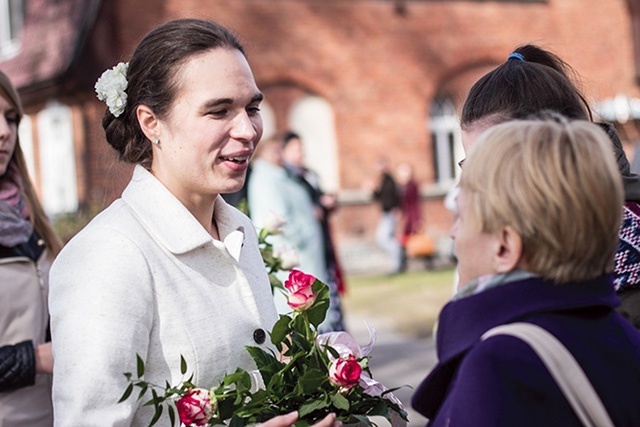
<point>443,127</point>
<point>9,37</point>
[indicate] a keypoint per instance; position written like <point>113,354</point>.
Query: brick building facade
<point>359,79</point>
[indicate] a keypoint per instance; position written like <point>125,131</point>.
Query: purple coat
<point>502,382</point>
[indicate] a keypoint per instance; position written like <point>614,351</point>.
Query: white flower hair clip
<point>111,88</point>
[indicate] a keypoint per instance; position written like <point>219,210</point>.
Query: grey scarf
<point>14,229</point>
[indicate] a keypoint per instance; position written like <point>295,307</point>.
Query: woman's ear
<point>508,257</point>
<point>148,122</point>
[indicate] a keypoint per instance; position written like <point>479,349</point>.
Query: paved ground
<point>396,359</point>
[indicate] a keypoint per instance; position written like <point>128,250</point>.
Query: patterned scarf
<point>15,227</point>
<point>627,269</point>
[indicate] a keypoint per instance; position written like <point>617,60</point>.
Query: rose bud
<point>195,408</point>
<point>345,372</point>
<point>299,285</point>
<point>288,256</point>
<point>274,223</point>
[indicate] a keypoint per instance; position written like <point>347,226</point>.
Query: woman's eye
<point>11,118</point>
<point>219,113</point>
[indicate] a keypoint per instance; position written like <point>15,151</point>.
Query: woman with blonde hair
<point>28,245</point>
<point>536,234</point>
<point>533,80</point>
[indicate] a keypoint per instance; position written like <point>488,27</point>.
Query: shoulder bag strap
<point>563,368</point>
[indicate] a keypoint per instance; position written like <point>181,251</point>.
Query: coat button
<point>259,335</point>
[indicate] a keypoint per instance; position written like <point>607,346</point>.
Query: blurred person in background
<point>325,205</point>
<point>28,245</point>
<point>539,207</point>
<point>273,191</point>
<point>385,193</point>
<point>409,206</point>
<point>531,80</point>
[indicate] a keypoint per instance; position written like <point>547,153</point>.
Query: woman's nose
<point>4,129</point>
<point>244,128</point>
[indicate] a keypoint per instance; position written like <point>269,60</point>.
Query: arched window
<point>11,23</point>
<point>312,118</point>
<point>445,141</point>
<point>57,159</point>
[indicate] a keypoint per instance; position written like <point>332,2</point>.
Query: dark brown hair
<point>38,218</point>
<point>151,78</point>
<point>519,88</point>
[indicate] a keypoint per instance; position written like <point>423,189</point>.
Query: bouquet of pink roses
<point>316,375</point>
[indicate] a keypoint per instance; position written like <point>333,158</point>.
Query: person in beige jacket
<point>28,245</point>
<point>169,269</point>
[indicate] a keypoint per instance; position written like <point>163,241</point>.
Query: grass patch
<point>411,301</point>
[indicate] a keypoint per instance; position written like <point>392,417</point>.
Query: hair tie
<point>516,55</point>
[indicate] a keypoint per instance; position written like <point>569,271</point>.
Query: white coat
<point>144,277</point>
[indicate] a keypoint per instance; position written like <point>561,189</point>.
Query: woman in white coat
<point>169,269</point>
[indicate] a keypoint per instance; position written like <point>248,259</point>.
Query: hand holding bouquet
<point>312,374</point>
<point>315,375</point>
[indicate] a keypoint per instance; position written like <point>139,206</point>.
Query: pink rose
<point>345,372</point>
<point>299,285</point>
<point>195,408</point>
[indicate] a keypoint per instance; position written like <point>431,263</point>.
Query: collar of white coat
<point>171,223</point>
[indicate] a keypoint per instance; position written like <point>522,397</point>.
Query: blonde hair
<point>557,185</point>
<point>38,217</point>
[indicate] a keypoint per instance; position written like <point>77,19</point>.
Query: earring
<point>156,141</point>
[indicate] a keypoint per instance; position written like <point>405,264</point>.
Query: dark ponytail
<point>519,88</point>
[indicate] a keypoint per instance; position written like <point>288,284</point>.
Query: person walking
<point>387,195</point>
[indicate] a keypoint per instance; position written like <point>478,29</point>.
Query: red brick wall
<point>380,69</point>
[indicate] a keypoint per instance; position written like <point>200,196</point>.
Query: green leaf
<point>275,282</point>
<point>183,365</point>
<point>155,400</point>
<point>332,351</point>
<point>363,419</point>
<point>172,415</point>
<point>140,367</point>
<point>260,357</point>
<point>126,393</point>
<point>300,340</point>
<point>143,390</point>
<point>339,401</point>
<point>318,310</point>
<point>237,422</point>
<point>381,409</point>
<point>280,329</point>
<point>156,415</point>
<point>312,405</point>
<point>312,380</point>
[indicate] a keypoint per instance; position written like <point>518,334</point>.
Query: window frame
<point>446,141</point>
<point>12,20</point>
